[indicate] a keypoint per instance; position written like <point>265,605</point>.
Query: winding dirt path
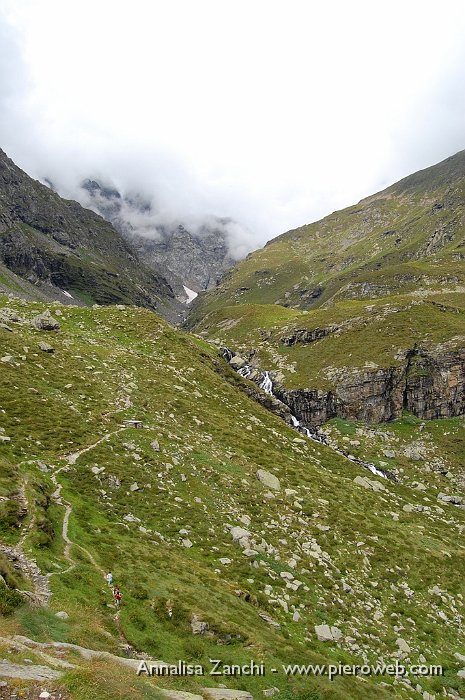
<point>74,456</point>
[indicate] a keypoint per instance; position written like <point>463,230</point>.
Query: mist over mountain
<point>195,257</point>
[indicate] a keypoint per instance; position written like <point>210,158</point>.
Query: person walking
<point>117,596</point>
<point>109,578</point>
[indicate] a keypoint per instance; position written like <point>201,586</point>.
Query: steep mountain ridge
<point>406,237</point>
<point>66,252</point>
<point>359,315</point>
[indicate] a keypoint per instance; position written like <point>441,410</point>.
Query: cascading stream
<point>265,382</point>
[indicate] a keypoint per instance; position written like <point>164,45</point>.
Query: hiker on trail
<point>109,578</point>
<point>117,596</point>
<point>169,608</point>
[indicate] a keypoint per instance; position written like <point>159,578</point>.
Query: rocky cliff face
<point>197,260</point>
<point>67,252</point>
<point>429,385</point>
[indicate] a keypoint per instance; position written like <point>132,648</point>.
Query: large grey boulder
<point>239,533</point>
<point>403,646</point>
<point>268,480</point>
<point>237,362</point>
<point>325,633</point>
<point>45,322</point>
<point>369,483</point>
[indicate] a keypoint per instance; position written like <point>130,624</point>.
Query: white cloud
<point>268,112</point>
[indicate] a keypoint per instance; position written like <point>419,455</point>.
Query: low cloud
<point>216,120</point>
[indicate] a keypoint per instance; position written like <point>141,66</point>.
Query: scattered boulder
<point>45,347</point>
<point>155,445</point>
<point>226,694</point>
<point>62,615</point>
<point>455,500</point>
<point>7,359</point>
<point>369,483</point>
<point>45,322</point>
<point>403,646</point>
<point>171,694</point>
<point>268,480</point>
<point>237,362</point>
<point>238,533</point>
<point>390,454</point>
<point>197,626</point>
<point>325,633</point>
<point>10,315</point>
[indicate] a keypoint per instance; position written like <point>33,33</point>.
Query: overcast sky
<point>274,113</point>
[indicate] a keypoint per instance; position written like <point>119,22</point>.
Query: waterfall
<point>245,372</point>
<point>266,384</point>
<point>227,354</point>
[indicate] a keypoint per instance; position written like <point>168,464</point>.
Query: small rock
<point>155,445</point>
<point>62,615</point>
<point>237,362</point>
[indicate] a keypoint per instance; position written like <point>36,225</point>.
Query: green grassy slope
<point>361,335</point>
<point>407,238</point>
<point>368,562</point>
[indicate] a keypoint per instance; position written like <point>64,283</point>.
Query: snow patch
<point>191,295</point>
<point>67,294</point>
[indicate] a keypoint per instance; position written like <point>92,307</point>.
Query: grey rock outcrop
<point>429,385</point>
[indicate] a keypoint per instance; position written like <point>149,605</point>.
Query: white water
<point>375,470</point>
<point>267,384</point>
<point>67,294</point>
<point>245,372</point>
<point>191,295</point>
